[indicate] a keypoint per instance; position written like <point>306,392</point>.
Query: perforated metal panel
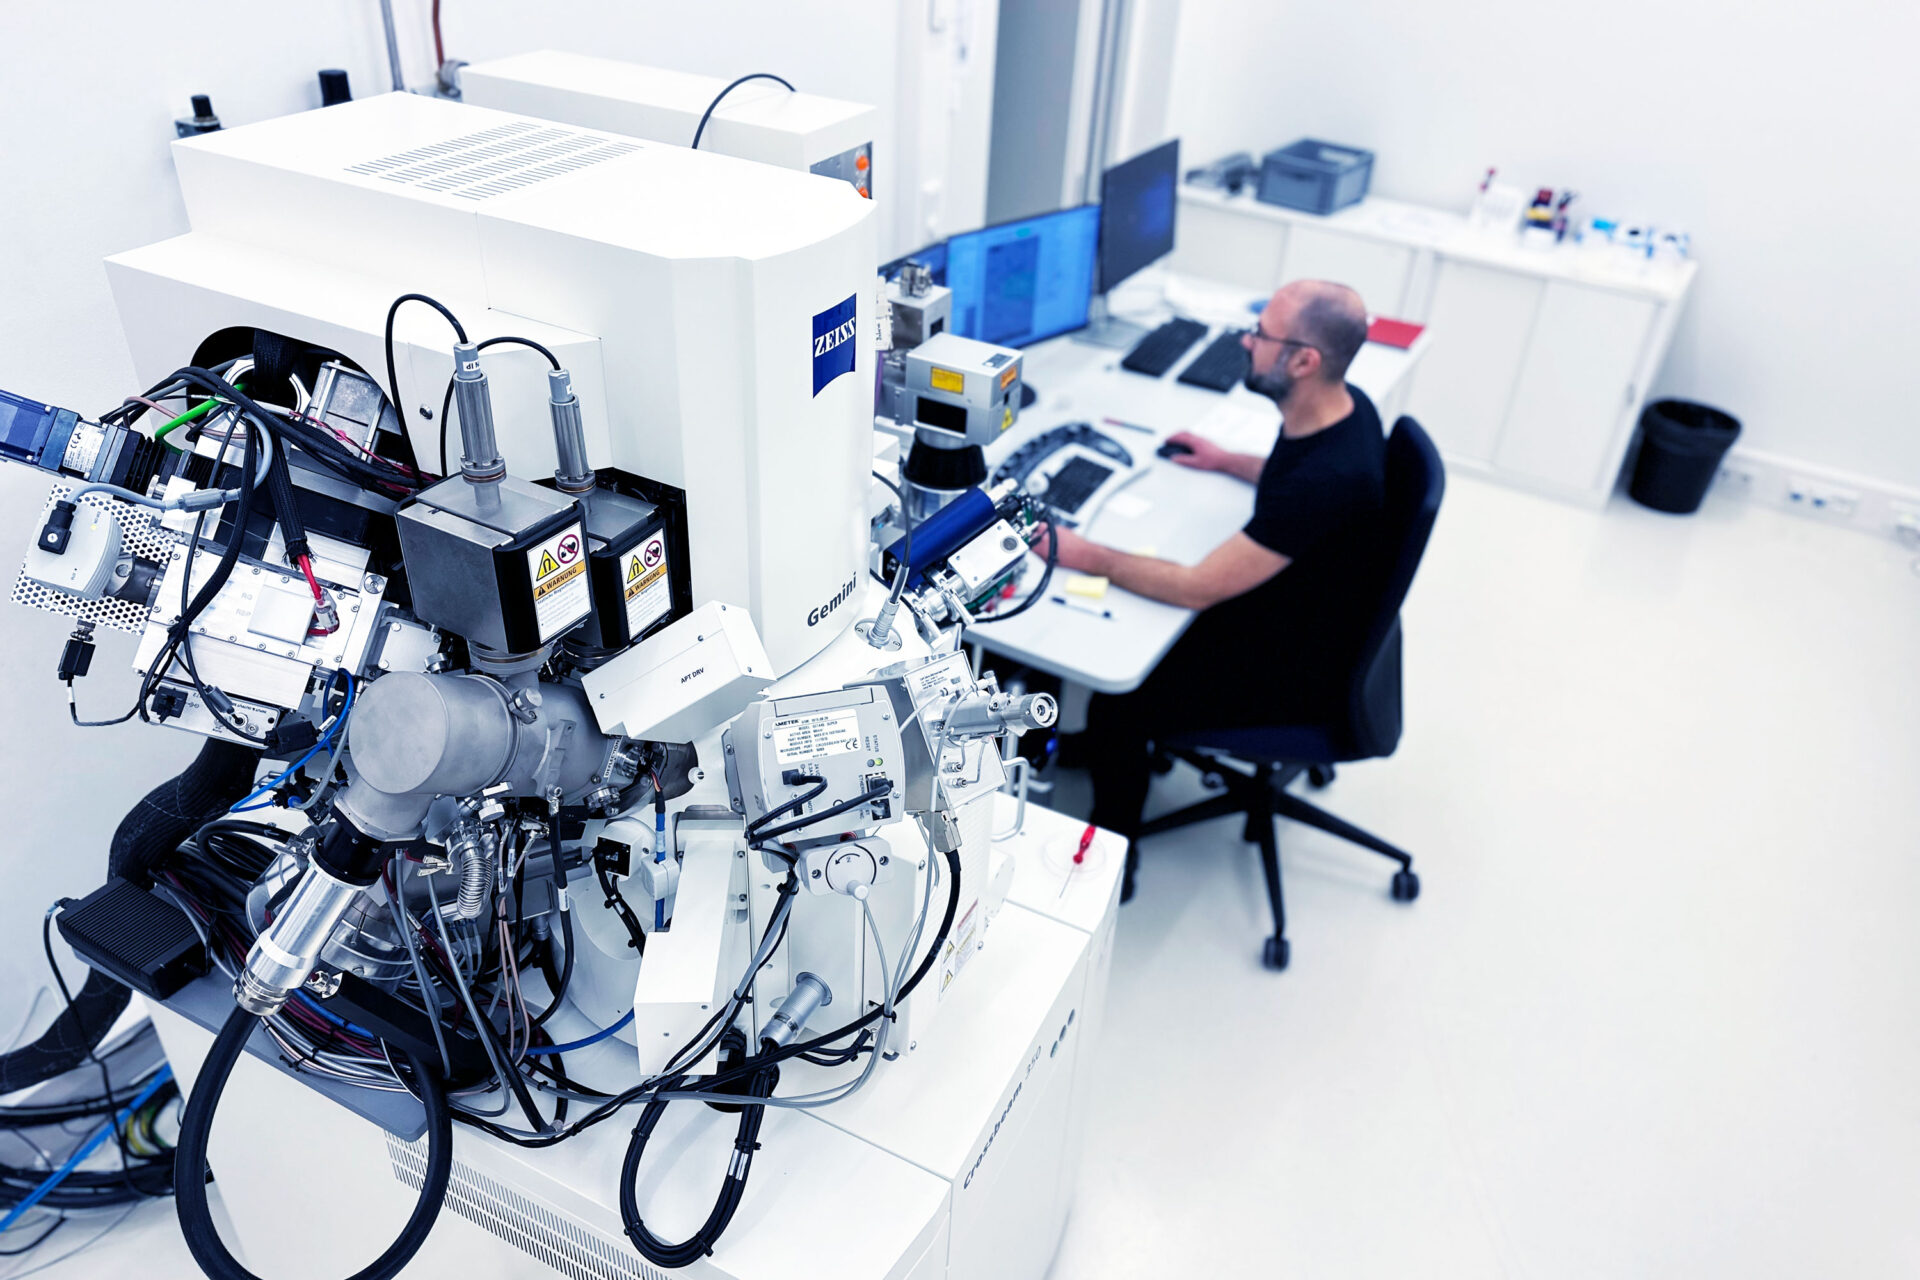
<point>495,161</point>
<point>559,1240</point>
<point>140,533</point>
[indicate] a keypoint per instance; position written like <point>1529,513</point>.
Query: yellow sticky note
<point>1148,550</point>
<point>1081,584</point>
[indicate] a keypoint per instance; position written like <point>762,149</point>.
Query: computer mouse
<point>1173,449</point>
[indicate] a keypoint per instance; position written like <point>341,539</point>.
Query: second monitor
<point>1019,282</point>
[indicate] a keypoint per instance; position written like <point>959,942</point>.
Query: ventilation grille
<point>140,533</point>
<point>495,161</point>
<point>559,1241</point>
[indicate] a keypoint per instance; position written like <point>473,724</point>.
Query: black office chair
<point>1276,755</point>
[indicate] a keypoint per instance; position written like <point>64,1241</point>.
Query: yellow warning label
<point>558,566</point>
<point>948,380</point>
<point>551,581</point>
<point>1006,417</point>
<point>648,594</point>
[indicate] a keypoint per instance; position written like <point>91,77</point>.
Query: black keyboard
<point>1220,367</point>
<point>1019,464</point>
<point>1069,488</point>
<point>1160,350</point>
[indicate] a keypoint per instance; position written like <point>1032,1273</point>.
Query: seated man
<point>1280,618</point>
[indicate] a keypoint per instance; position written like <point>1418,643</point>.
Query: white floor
<point>1657,1011</point>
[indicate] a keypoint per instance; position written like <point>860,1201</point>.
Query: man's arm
<point>1203,454</point>
<point>1233,568</point>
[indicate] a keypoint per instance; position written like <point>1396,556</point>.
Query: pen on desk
<point>1083,608</point>
<point>1130,426</point>
<point>1079,857</point>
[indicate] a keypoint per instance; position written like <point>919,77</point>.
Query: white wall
<point>91,92</point>
<point>1780,136</point>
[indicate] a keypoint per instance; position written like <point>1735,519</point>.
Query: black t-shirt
<point>1318,501</point>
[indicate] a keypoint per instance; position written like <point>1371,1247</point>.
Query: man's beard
<point>1276,385</point>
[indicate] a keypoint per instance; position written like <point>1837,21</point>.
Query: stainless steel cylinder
<point>569,436</point>
<point>808,997</point>
<point>481,462</point>
<point>283,955</point>
<point>984,715</point>
<point>413,734</point>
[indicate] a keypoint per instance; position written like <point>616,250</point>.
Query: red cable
<point>306,567</point>
<point>439,52</point>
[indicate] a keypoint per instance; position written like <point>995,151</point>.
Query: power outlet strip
<point>1832,497</point>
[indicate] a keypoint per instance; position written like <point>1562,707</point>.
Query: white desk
<point>1187,513</point>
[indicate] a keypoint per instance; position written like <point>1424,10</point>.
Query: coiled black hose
<point>190,1161</point>
<point>746,1141</point>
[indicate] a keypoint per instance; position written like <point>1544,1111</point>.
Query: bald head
<point>1326,317</point>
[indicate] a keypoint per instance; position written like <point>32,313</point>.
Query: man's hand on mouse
<point>1076,553</point>
<point>1198,452</point>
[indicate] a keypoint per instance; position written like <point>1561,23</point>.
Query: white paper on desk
<point>1128,506</point>
<point>1239,426</point>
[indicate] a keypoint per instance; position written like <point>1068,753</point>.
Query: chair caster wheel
<point>1126,889</point>
<point>1161,764</point>
<point>1319,776</point>
<point>1274,954</point>
<point>1406,885</point>
<point>1212,781</point>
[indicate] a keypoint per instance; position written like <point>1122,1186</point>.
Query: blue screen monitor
<point>1018,282</point>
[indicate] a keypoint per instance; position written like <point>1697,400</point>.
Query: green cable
<point>199,410</point>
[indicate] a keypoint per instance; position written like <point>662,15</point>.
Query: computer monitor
<point>1137,201</point>
<point>1018,282</point>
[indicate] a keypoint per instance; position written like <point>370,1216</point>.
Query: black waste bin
<point>1681,444</point>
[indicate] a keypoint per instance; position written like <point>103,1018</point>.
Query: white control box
<point>678,683</point>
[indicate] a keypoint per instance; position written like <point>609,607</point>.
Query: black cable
<point>746,1141</point>
<point>875,792</point>
<point>524,342</point>
<point>906,540</point>
<point>446,401</point>
<point>820,785</point>
<point>37,1241</point>
<point>1046,575</point>
<point>566,968</point>
<point>190,1161</point>
<point>106,1077</point>
<point>179,632</point>
<point>393,380</point>
<point>872,1015</point>
<point>706,115</point>
<point>636,937</point>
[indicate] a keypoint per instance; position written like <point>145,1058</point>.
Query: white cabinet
<point>1376,269</point>
<point>1579,388</point>
<point>1223,244</point>
<point>1481,319</point>
<point>1537,361</point>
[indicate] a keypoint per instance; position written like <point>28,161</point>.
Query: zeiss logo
<point>833,345</point>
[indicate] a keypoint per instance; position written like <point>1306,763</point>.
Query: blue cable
<point>333,1017</point>
<point>595,1038</point>
<point>91,1145</point>
<point>245,803</point>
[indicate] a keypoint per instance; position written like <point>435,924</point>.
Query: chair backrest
<point>1415,481</point>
